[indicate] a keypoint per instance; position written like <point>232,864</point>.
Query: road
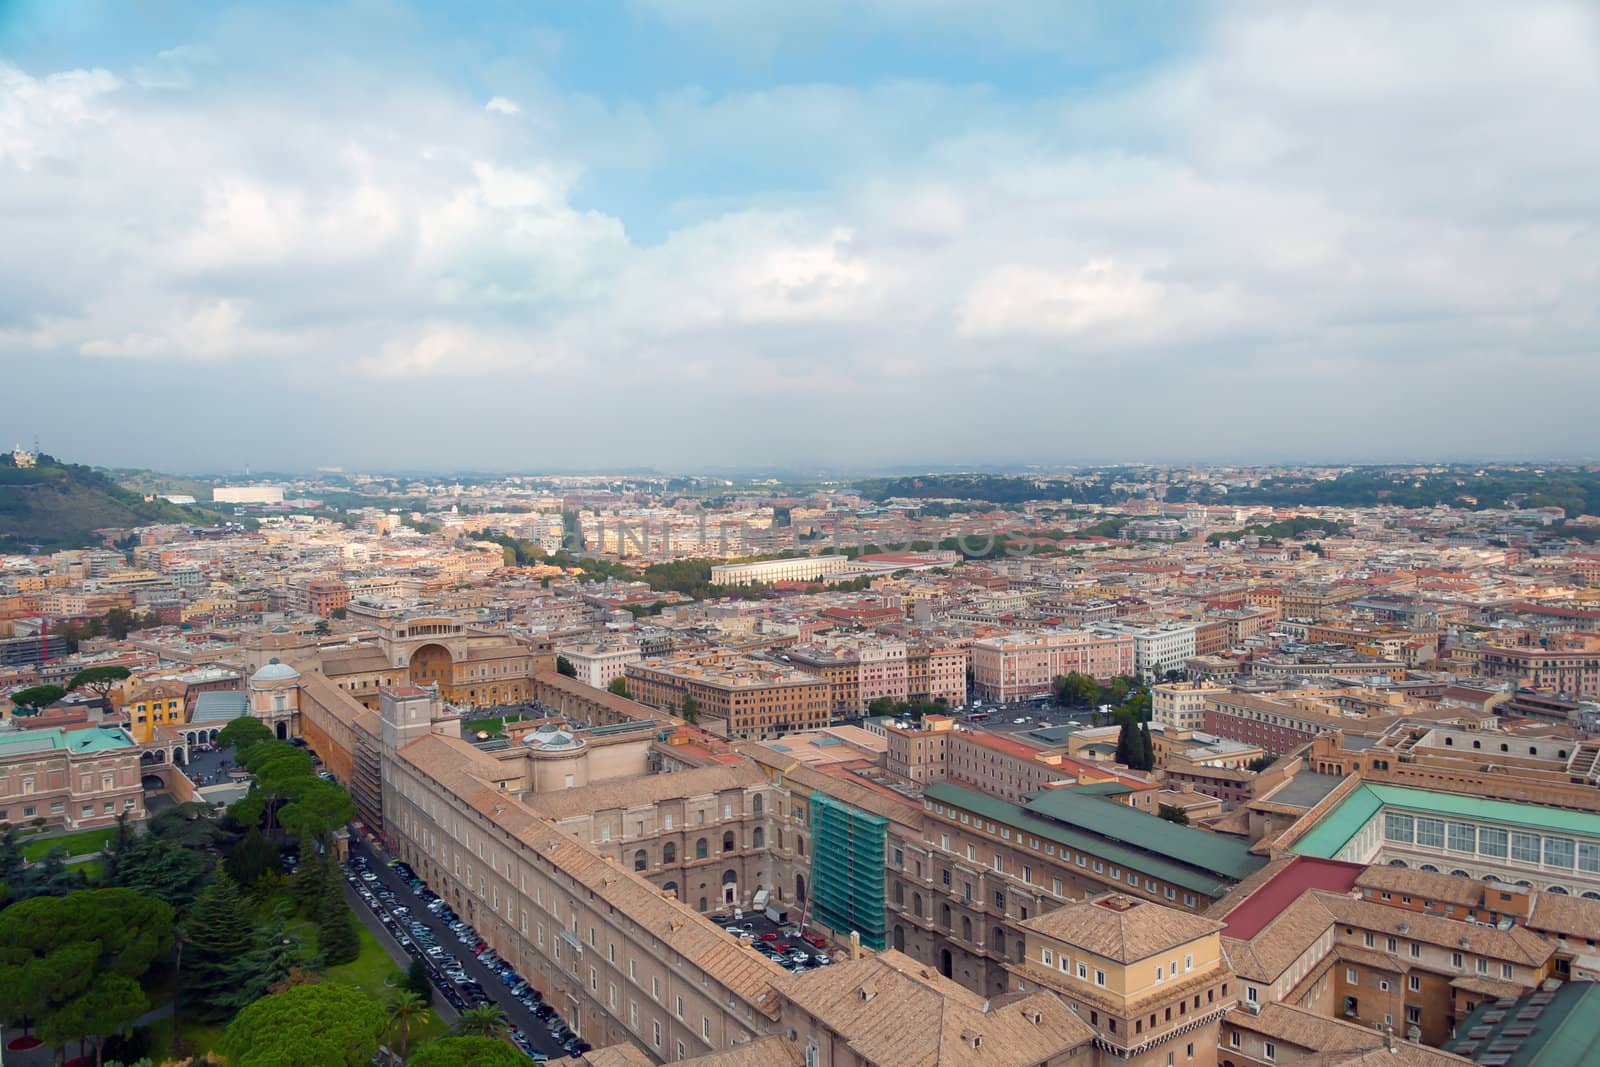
<point>538,1033</point>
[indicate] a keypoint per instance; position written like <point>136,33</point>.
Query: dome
<point>551,739</point>
<point>274,671</point>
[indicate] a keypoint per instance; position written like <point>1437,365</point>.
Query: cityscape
<point>830,535</point>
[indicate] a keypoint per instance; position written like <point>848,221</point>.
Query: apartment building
<point>153,704</point>
<point>1278,727</point>
<point>756,699</point>
<point>600,663</point>
<point>78,778</point>
<point>838,667</point>
<point>936,673</point>
<point>1568,665</point>
<point>1018,665</point>
<point>1182,704</point>
<point>1156,649</point>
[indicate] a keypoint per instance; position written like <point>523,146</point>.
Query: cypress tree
<point>417,980</point>
<point>220,933</point>
<point>307,884</point>
<point>253,858</point>
<point>1127,753</point>
<point>1147,751</point>
<point>337,941</point>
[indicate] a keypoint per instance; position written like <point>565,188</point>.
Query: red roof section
<point>1253,913</point>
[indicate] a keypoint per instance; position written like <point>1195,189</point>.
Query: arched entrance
<point>899,939</point>
<point>730,886</point>
<point>432,664</point>
<point>799,889</point>
<point>946,963</point>
<point>283,731</point>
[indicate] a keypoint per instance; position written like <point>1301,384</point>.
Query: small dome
<point>274,671</point>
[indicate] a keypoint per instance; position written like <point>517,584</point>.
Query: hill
<point>55,505</point>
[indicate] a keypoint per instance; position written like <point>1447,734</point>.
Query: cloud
<point>1326,203</point>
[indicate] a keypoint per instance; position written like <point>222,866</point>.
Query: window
<point>1269,1050</point>
<point>1463,837</point>
<point>1525,847</point>
<point>1413,983</point>
<point>1046,957</point>
<point>1491,841</point>
<point>1161,972</point>
<point>1558,852</point>
<point>678,1008</point>
<point>1250,993</point>
<point>1233,1039</point>
<point>1188,964</point>
<point>1368,939</point>
<point>1414,1016</point>
<point>1430,833</point>
<point>1505,971</point>
<point>1083,971</point>
<point>1351,976</point>
<point>701,849</point>
<point>1099,977</point>
<point>1455,960</point>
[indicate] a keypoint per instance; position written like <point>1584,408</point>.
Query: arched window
<point>702,903</point>
<point>756,804</point>
<point>727,841</point>
<point>900,893</point>
<point>700,849</point>
<point>730,876</point>
<point>669,853</point>
<point>899,938</point>
<point>944,916</point>
<point>997,941</point>
<point>671,887</point>
<point>916,904</point>
<point>758,838</point>
<point>641,860</point>
<point>966,928</point>
<point>800,844</point>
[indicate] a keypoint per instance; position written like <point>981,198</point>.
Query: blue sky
<point>684,232</point>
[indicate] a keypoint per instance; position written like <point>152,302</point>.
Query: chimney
<point>855,945</point>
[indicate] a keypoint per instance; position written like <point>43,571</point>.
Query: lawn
<point>79,844</point>
<point>488,726</point>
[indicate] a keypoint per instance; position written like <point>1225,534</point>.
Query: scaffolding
<point>847,869</point>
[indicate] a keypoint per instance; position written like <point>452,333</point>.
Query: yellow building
<point>1150,980</point>
<point>154,704</point>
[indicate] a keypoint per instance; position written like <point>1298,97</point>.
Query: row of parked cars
<point>791,948</point>
<point>445,969</point>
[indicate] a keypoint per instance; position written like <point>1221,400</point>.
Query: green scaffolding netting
<point>847,869</point>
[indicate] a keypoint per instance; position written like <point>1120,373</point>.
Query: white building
<point>1156,649</point>
<point>247,494</point>
<point>600,664</point>
<point>799,569</point>
<point>1182,705</point>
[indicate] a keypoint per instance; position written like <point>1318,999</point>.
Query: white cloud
<point>1342,187</point>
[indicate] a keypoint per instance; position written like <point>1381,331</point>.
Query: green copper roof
<point>1336,828</point>
<point>91,739</point>
<point>1560,1029</point>
<point>1195,860</point>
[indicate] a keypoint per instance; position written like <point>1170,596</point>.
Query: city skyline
<point>392,236</point>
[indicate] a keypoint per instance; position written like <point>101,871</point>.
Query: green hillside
<point>56,505</point>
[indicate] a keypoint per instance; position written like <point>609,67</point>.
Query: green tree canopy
<point>564,666</point>
<point>691,709</point>
<point>321,808</point>
<point>242,734</point>
<point>619,686</point>
<point>55,952</point>
<point>158,866</point>
<point>36,698</point>
<point>328,1024</point>
<point>109,1006</point>
<point>220,933</point>
<point>337,939</point>
<point>467,1052</point>
<point>484,1020</point>
<point>99,680</point>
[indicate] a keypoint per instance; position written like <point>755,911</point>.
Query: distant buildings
<point>247,494</point>
<point>800,569</point>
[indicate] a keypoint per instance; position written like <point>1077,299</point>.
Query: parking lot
<point>783,943</point>
<point>536,1029</point>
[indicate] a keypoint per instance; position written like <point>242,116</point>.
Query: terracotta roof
<point>1122,928</point>
<point>1270,899</point>
<point>1427,885</point>
<point>1275,946</point>
<point>1305,1029</point>
<point>1573,916</point>
<point>1516,945</point>
<point>901,1012</point>
<point>770,1051</point>
<point>649,789</point>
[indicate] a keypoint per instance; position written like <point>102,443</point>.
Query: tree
<point>406,1010</point>
<point>269,962</point>
<point>619,686</point>
<point>321,808</point>
<point>1075,690</point>
<point>110,1006</point>
<point>99,680</point>
<point>341,613</point>
<point>1261,763</point>
<point>484,1020</point>
<point>323,628</point>
<point>691,709</point>
<point>1147,750</point>
<point>337,940</point>
<point>1173,813</point>
<point>243,733</point>
<point>307,884</point>
<point>418,982</point>
<point>1128,748</point>
<point>468,1052</point>
<point>327,1024</point>
<point>253,858</point>
<point>33,700</point>
<point>564,666</point>
<point>160,867</point>
<point>219,932</point>
<point>54,952</point>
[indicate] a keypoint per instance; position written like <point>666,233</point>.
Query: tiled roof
<point>649,789</point>
<point>1573,916</point>
<point>897,1011</point>
<point>1120,928</point>
<point>1516,945</point>
<point>1305,1029</point>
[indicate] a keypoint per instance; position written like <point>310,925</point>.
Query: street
<point>520,1016</point>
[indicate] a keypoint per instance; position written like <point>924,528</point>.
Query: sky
<point>692,234</point>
